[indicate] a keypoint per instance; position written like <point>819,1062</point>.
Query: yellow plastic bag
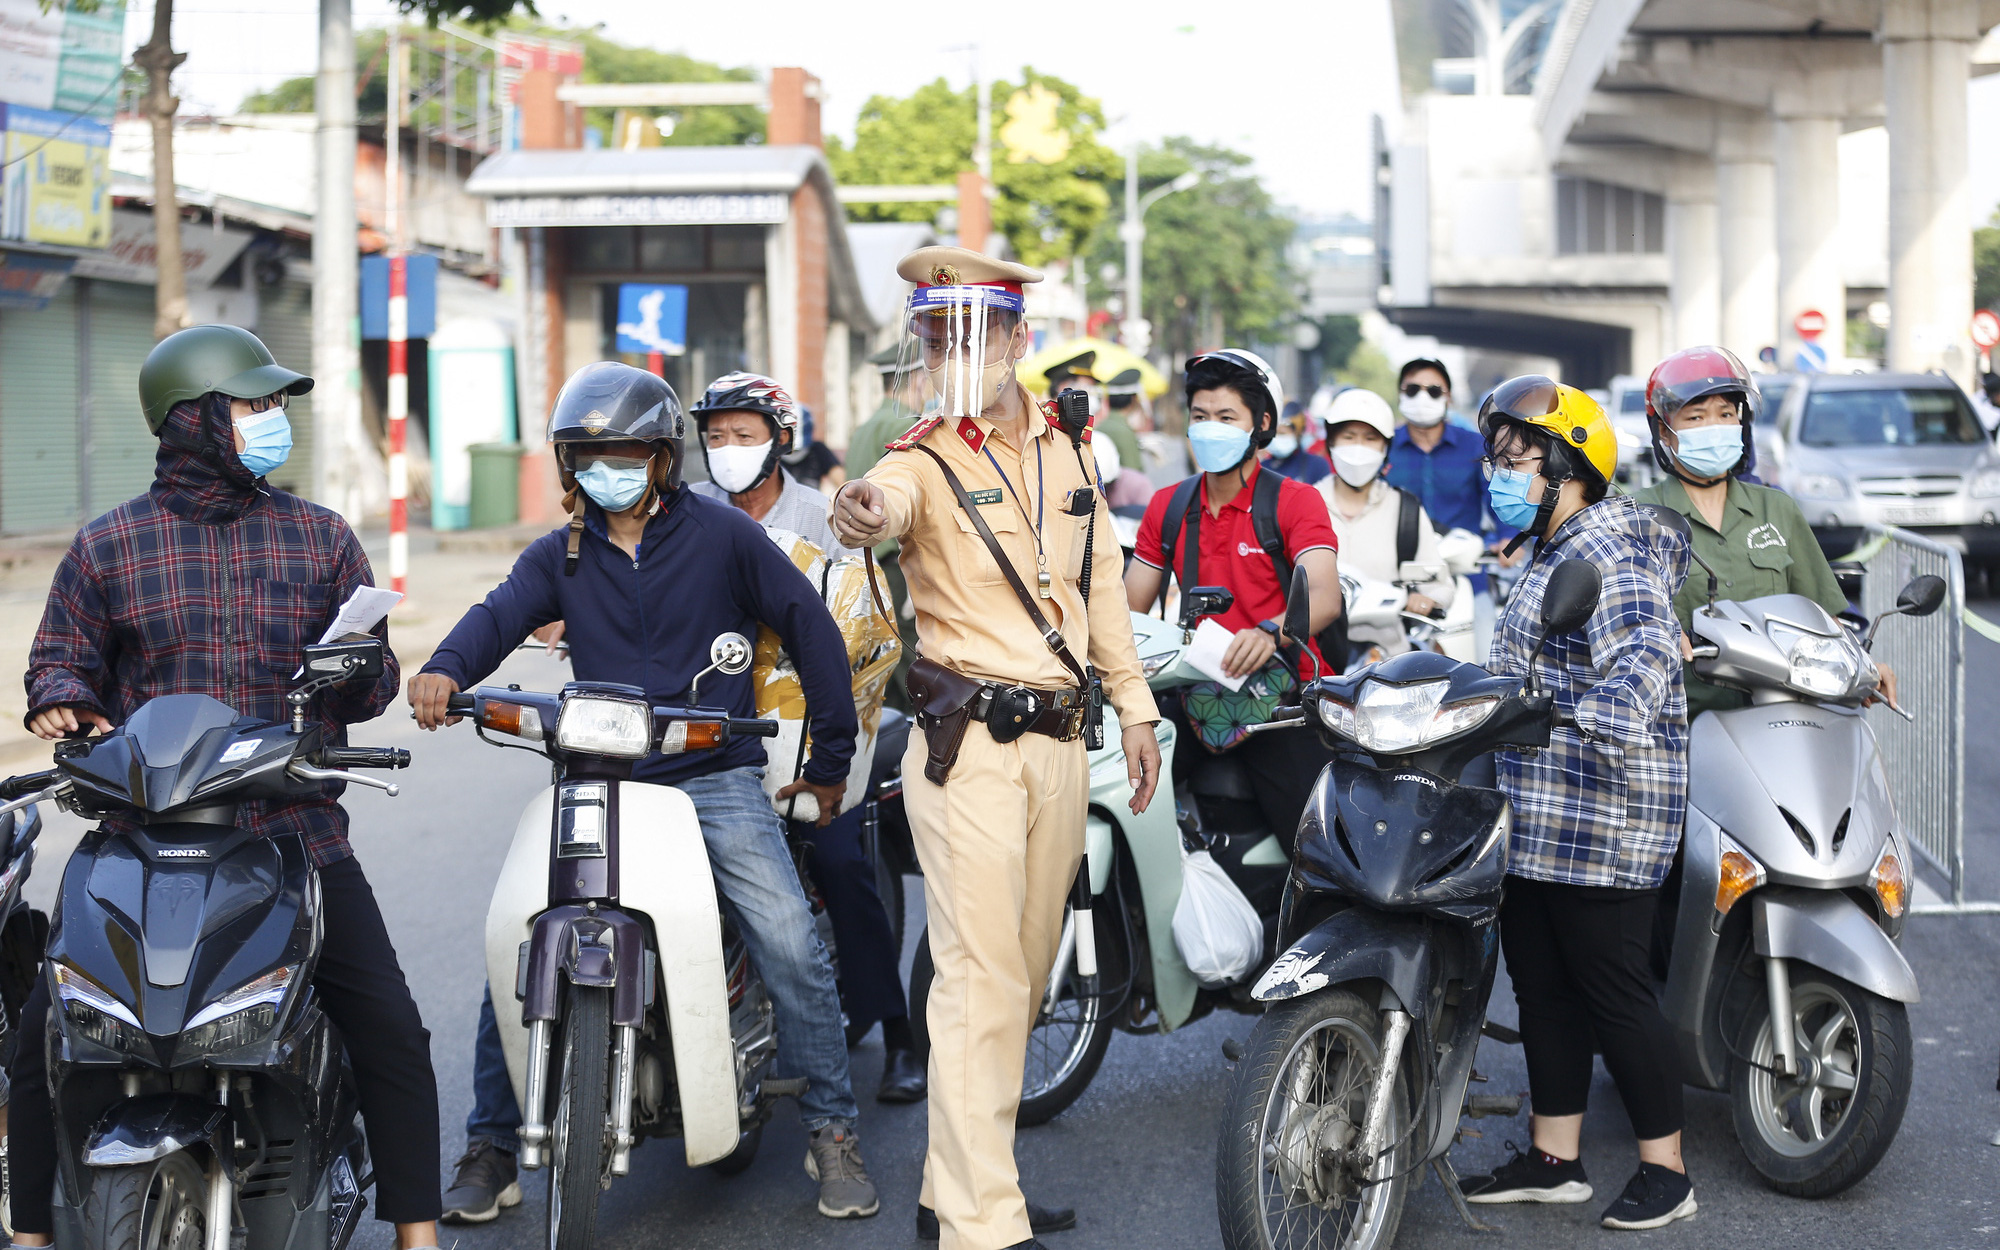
<point>873,647</point>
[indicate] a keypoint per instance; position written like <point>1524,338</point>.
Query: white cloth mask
<point>1357,465</point>
<point>1421,408</point>
<point>736,469</point>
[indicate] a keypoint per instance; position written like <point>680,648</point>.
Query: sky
<point>1293,83</point>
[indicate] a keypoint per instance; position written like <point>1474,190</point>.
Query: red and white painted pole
<point>399,328</point>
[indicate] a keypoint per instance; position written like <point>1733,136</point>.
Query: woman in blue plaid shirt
<point>1598,813</point>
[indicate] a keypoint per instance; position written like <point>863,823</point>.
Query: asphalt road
<point>1136,1154</point>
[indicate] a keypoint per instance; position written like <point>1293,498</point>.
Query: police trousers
<point>1000,843</point>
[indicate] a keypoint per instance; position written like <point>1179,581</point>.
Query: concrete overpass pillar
<point>1746,188</point>
<point>1694,289</point>
<point>1807,151</point>
<point>1926,62</point>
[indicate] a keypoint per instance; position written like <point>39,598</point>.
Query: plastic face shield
<point>960,338</point>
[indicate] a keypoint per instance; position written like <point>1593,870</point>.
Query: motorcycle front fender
<point>151,1127</point>
<point>1357,944</point>
<point>1830,931</point>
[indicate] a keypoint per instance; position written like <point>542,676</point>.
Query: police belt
<point>947,703</point>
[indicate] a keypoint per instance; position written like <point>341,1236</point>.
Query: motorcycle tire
<point>1064,1052</point>
<point>739,1160</point>
<point>1281,1178</point>
<point>580,1128</point>
<point>1817,1136</point>
<point>161,1205</point>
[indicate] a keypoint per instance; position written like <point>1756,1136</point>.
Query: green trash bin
<point>496,485</point>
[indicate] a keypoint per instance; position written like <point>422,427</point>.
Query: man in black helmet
<point>211,583</point>
<point>645,575</point>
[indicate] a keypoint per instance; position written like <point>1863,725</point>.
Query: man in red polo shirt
<point>1233,400</point>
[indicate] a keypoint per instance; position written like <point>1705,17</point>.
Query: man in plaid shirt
<point>212,583</point>
<point>1597,813</point>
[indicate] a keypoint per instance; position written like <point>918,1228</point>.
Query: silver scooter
<point>1795,881</point>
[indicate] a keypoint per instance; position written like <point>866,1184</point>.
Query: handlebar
<point>28,783</point>
<point>754,728</point>
<point>363,757</point>
<point>460,702</point>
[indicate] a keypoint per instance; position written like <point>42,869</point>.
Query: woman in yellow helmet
<point>1597,813</point>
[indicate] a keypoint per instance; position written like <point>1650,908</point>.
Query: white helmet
<point>1355,404</point>
<point>1235,360</point>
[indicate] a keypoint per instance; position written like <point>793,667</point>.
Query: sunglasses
<point>1411,390</point>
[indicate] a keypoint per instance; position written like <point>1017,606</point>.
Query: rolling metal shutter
<point>284,322</point>
<point>38,434</point>
<point>122,448</point>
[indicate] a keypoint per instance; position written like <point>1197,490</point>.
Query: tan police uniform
<point>1001,840</point>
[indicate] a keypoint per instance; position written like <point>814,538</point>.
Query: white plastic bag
<point>1217,930</point>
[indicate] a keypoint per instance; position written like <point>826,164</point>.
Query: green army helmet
<point>192,362</point>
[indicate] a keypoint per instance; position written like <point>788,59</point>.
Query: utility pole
<point>1133,330</point>
<point>399,324</point>
<point>336,360</point>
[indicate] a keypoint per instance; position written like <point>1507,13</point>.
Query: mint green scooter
<point>1141,984</point>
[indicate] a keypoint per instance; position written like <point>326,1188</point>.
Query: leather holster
<point>943,703</point>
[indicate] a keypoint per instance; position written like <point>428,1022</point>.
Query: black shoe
<point>1029,1244</point>
<point>1040,1220</point>
<point>1654,1198</point>
<point>486,1181</point>
<point>1530,1177</point>
<point>903,1078</point>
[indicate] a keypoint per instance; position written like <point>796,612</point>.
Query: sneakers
<point>1530,1177</point>
<point>833,1158</point>
<point>1653,1198</point>
<point>486,1181</point>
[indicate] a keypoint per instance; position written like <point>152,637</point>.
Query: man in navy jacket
<point>646,575</point>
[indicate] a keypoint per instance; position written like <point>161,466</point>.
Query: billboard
<point>62,59</point>
<point>57,185</point>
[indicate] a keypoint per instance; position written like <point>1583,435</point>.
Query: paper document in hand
<point>362,612</point>
<point>1204,654</point>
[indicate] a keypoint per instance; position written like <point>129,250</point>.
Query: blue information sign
<point>652,318</point>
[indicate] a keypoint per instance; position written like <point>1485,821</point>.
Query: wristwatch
<point>1274,629</point>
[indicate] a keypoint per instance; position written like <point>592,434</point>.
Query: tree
<point>1986,265</point>
<point>158,58</point>
<point>1215,265</point>
<point>1048,211</point>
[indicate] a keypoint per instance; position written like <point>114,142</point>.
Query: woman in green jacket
<point>1702,407</point>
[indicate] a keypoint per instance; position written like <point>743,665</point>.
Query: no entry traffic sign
<point>1810,324</point>
<point>1985,328</point>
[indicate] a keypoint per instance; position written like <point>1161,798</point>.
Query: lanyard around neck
<point>1042,579</point>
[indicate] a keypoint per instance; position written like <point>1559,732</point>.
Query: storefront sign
<point>29,280</point>
<point>636,210</point>
<point>58,179</point>
<point>61,59</point>
<point>132,255</point>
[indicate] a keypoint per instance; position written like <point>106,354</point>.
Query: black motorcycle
<point>202,1097</point>
<point>1355,1077</point>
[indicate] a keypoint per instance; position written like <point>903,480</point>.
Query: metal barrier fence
<point>1925,756</point>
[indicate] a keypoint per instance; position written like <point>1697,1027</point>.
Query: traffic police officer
<point>996,808</point>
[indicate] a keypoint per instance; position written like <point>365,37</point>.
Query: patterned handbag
<point>1222,717</point>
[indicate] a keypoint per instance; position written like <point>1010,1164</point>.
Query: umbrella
<point>1100,359</point>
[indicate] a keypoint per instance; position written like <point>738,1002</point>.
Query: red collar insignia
<point>914,434</point>
<point>974,437</point>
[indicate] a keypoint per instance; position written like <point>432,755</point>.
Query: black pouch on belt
<point>1013,712</point>
<point>943,703</point>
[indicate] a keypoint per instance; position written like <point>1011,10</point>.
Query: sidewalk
<point>448,574</point>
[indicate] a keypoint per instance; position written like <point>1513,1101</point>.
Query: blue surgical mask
<point>614,490</point>
<point>1710,450</point>
<point>267,441</point>
<point>1284,446</point>
<point>1508,493</point>
<point>1218,448</point>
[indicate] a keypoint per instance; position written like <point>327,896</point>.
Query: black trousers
<point>1283,765</point>
<point>1579,957</point>
<point>871,982</point>
<point>362,989</point>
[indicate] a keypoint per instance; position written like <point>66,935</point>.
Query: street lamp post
<point>1135,330</point>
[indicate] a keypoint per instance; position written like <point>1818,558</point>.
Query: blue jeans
<point>760,888</point>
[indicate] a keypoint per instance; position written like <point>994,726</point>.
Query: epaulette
<point>914,434</point>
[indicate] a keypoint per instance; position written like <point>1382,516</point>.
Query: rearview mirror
<point>1200,601</point>
<point>729,654</point>
<point>1849,574</point>
<point>1923,596</point>
<point>1298,607</point>
<point>344,661</point>
<point>1570,597</point>
<point>1669,518</point>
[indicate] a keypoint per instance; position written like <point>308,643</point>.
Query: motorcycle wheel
<point>1066,1045</point>
<point>580,1137</point>
<point>1820,1132</point>
<point>739,1160</point>
<point>1285,1177</point>
<point>148,1206</point>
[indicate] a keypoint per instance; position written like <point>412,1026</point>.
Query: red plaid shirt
<point>211,583</point>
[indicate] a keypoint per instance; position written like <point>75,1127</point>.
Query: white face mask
<point>1421,409</point>
<point>736,468</point>
<point>1283,445</point>
<point>1105,452</point>
<point>1357,465</point>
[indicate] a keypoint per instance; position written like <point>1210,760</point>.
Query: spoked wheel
<point>1072,1030</point>
<point>580,1137</point>
<point>149,1206</point>
<point>1290,1172</point>
<point>1819,1132</point>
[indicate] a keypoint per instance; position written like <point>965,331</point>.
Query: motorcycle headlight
<point>1886,879</point>
<point>1819,486</point>
<point>1821,666</point>
<point>1738,873</point>
<point>91,1010</point>
<point>1151,665</point>
<point>618,728</point>
<point>240,1017</point>
<point>1389,719</point>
